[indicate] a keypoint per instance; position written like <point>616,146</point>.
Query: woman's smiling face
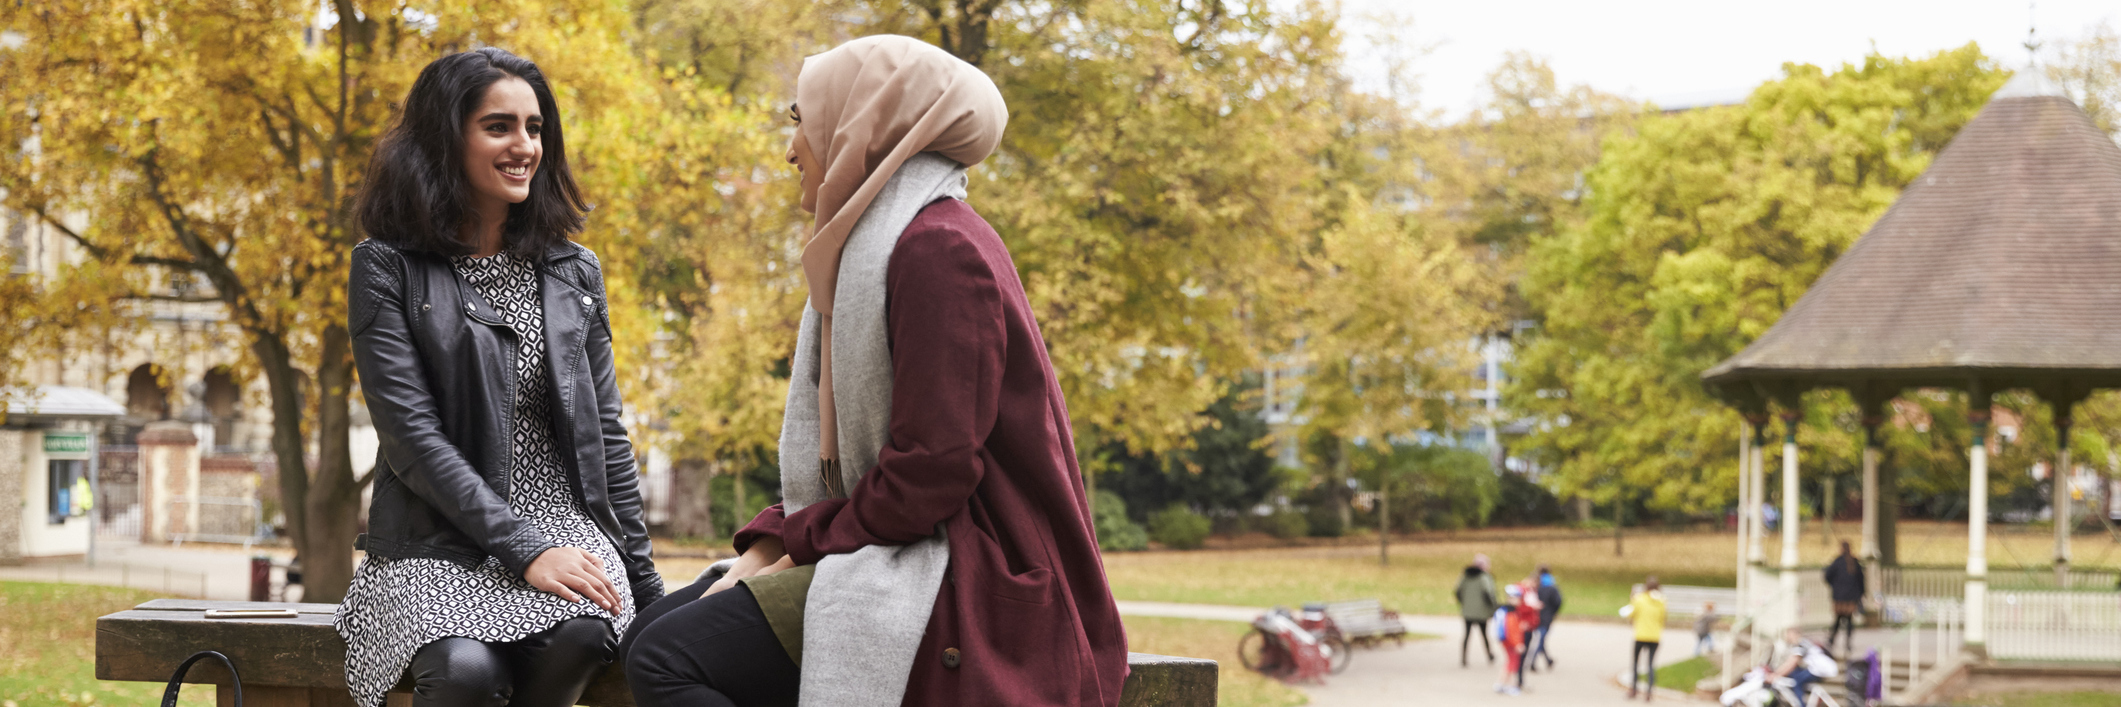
<point>805,161</point>
<point>502,144</point>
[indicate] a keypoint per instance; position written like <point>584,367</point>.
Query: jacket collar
<point>563,251</point>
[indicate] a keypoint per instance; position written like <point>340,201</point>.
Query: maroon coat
<point>980,442</point>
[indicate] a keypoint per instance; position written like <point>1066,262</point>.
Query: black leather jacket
<point>438,369</point>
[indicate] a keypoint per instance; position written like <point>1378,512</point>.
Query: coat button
<point>587,300</point>
<point>426,307</point>
<point>950,658</point>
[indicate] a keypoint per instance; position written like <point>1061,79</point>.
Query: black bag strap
<point>176,680</point>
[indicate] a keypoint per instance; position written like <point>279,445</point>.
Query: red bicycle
<point>1281,647</point>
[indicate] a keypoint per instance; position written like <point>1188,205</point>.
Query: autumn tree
<point>225,141</point>
<point>1703,227</point>
<point>1158,186</point>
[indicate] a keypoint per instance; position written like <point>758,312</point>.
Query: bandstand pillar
<point>1792,609</point>
<point>1977,524</point>
<point>1872,410</point>
<point>2058,483</point>
<point>1744,517</point>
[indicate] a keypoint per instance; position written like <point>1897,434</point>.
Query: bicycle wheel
<point>1252,651</point>
<point>1337,654</point>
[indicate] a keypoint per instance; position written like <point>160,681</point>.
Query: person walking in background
<point>1549,608</point>
<point>1646,608</point>
<point>1705,629</point>
<point>1476,600</point>
<point>1844,576</point>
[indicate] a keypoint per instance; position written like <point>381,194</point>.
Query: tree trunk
<point>1620,516</point>
<point>692,499</point>
<point>1826,513</point>
<point>334,501</point>
<point>1384,524</point>
<point>1340,486</point>
<point>1888,515</point>
<point>285,386</point>
<point>737,519</point>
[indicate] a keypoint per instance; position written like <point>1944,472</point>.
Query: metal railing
<point>222,519</point>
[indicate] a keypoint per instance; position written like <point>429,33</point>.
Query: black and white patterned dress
<point>397,606</point>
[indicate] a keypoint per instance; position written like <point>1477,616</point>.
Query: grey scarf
<point>866,610</point>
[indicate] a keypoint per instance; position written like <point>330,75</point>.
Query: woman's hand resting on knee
<point>764,557</point>
<point>574,574</point>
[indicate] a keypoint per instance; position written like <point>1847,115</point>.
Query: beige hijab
<point>867,106</point>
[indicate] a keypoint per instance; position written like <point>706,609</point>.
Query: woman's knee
<point>586,636</point>
<point>460,671</point>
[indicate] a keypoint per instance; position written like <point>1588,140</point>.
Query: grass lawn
<point>1423,571</point>
<point>2041,699</point>
<point>48,648</point>
<point>1684,674</point>
<point>1215,640</point>
<point>1425,568</point>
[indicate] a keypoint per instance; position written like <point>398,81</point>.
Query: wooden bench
<point>301,662</point>
<point>1366,622</point>
<point>1681,600</point>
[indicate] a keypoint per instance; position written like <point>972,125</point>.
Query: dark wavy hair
<point>416,196</point>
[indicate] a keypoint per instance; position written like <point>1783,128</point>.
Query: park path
<point>1588,656</point>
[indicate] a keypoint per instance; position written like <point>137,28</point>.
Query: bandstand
<point>1998,269</point>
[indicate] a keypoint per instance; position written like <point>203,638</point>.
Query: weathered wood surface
<point>1168,681</point>
<point>301,662</point>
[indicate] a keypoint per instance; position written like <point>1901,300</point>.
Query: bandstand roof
<point>2001,263</point>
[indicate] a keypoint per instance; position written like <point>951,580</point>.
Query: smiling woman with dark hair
<point>506,548</point>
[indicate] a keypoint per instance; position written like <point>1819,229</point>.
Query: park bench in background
<point>1366,622</point>
<point>1688,601</point>
<point>301,662</point>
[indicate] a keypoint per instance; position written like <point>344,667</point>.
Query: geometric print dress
<point>397,606</point>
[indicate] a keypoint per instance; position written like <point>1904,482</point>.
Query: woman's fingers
<point>719,585</point>
<point>610,591</point>
<point>597,587</point>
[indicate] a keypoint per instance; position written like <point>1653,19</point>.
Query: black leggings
<point>1650,668</point>
<point>1473,626</point>
<point>546,669</point>
<point>712,652</point>
<point>1841,620</point>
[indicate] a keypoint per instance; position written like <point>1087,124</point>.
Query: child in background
<point>1507,635</point>
<point>1704,628</point>
<point>1518,620</point>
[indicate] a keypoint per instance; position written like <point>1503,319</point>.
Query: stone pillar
<point>169,468</point>
<point>1792,610</point>
<point>12,505</point>
<point>1977,527</point>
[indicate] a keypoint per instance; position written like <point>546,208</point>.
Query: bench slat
<point>204,604</point>
<point>305,655</point>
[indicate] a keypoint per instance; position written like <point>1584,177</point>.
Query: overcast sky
<point>1684,51</point>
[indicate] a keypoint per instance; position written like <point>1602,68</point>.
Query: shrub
<point>1324,521</point>
<point>1285,524</point>
<point>1178,528</point>
<point>1114,531</point>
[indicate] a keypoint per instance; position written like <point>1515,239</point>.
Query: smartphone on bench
<point>250,613</point>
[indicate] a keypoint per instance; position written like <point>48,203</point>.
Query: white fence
<point>2035,625</point>
<point>1928,643</point>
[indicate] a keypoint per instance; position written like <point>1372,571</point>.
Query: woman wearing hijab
<point>934,544</point>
